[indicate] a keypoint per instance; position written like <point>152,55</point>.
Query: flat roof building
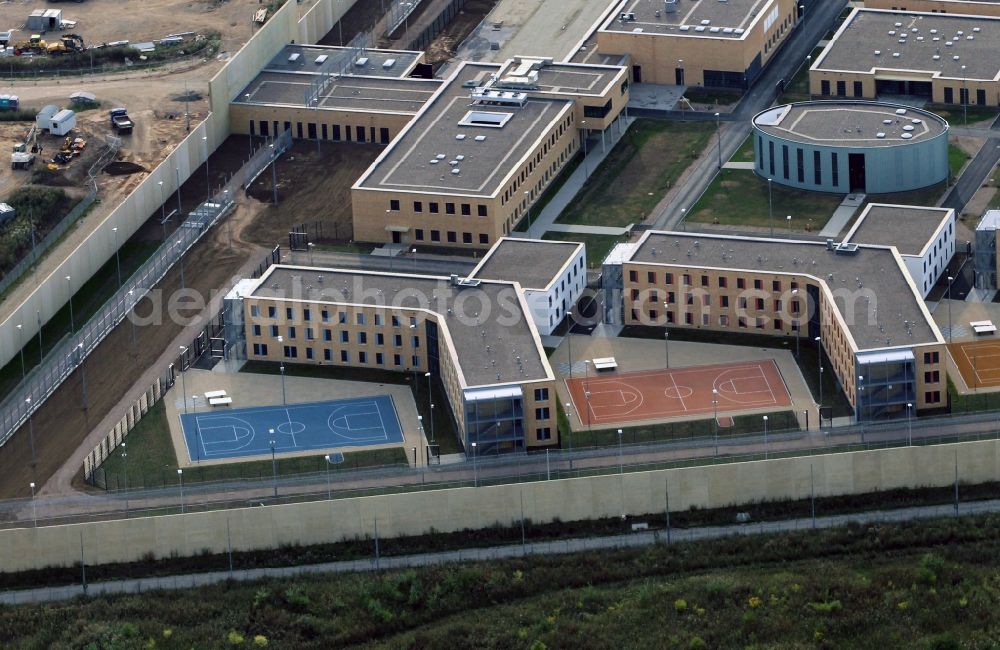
<point>858,299</point>
<point>940,57</point>
<point>698,42</point>
<point>969,7</point>
<point>468,166</point>
<point>851,146</point>
<point>473,334</point>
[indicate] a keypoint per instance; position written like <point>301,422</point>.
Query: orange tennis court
<point>978,361</point>
<point>657,394</point>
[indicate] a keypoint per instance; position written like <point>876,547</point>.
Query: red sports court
<point>659,394</point>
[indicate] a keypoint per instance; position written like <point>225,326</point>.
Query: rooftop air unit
<point>670,6</point>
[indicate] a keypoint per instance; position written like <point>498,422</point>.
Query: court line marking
<point>678,391</point>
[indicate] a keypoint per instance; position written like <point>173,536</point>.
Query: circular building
<point>850,146</point>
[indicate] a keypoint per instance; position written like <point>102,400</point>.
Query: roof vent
<point>955,58</point>
<point>878,52</point>
<point>460,136</point>
<point>900,111</point>
<point>880,135</point>
<point>480,138</point>
<point>440,156</point>
<point>456,171</point>
<point>906,136</point>
<point>895,55</point>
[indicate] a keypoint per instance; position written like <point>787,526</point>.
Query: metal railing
<point>70,352</point>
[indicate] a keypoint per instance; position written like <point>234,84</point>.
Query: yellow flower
<point>754,602</point>
<point>260,641</point>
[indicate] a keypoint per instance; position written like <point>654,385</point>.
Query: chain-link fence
<point>70,352</point>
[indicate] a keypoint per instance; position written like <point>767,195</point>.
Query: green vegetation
<point>916,584</point>
<point>742,424</point>
<point>598,246</point>
<point>808,358</point>
<point>20,115</point>
<point>957,117</point>
<point>797,90</point>
<point>152,461</point>
<point>745,152</point>
<point>718,97</point>
<point>636,174</point>
<point>957,157</point>
<point>923,196</point>
<point>38,209</point>
<point>444,428</point>
<point>738,197</point>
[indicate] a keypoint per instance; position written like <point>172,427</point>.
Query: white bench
<point>220,401</point>
<point>215,393</point>
<point>605,363</point>
<point>981,327</point>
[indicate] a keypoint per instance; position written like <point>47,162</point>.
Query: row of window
<point>363,357</point>
<point>451,236</point>
<point>776,35</point>
<point>331,132</point>
<point>433,207</point>
<point>543,180</point>
<point>795,305</point>
<point>652,277</point>
<point>963,96</point>
<point>800,164</point>
<point>724,320</point>
<point>341,317</point>
<point>549,143</point>
<point>344,336</point>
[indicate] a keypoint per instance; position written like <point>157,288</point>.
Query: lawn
<point>956,116</point>
<point>797,90</point>
<point>698,95</point>
<point>745,152</point>
<point>742,424</point>
<point>151,460</point>
<point>598,246</point>
<point>738,197</point>
<point>957,157</point>
<point>638,172</point>
<point>919,584</point>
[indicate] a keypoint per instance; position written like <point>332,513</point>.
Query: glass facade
<point>494,420</point>
<point>886,384</point>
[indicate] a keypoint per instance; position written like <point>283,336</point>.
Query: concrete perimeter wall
<point>450,510</point>
<point>50,292</point>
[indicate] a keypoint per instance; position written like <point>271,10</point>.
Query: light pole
<point>131,293</point>
<point>770,207</point>
<point>31,432</point>
<point>475,472</point>
<point>413,251</point>
<point>180,484</point>
<point>281,369</point>
<point>274,173</point>
<point>208,180</point>
<point>788,220</point>
<point>569,432</point>
<point>819,339</point>
<point>666,346</point>
<point>950,280</point>
<point>274,462</point>
<point>183,380</point>
<point>909,425</point>
<point>247,95</point>
<point>765,437</point>
<point>125,470</point>
<point>34,512</point>
<point>180,259</point>
<point>118,264</point>
<point>430,402</point>
<point>328,492</point>
<point>621,472</point>
<point>715,418</point>
<point>20,347</point>
<point>718,136</point>
<point>965,98</point>
<point>583,125</point>
<point>83,374</point>
<point>163,211</point>
<point>69,292</point>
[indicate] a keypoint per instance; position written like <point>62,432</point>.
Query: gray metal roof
<point>532,263</point>
<point>358,93</point>
<point>849,123</point>
<point>906,227</point>
<point>436,135</point>
<point>975,40</point>
<point>878,322</point>
<point>487,340</point>
<point>722,15</point>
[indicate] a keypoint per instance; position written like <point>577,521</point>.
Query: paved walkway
<point>592,230</point>
<point>595,155</point>
<point>493,553</point>
<point>738,165</point>
<point>842,215</point>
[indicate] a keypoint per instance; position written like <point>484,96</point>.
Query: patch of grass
<point>923,196</point>
<point>738,197</point>
<point>598,246</point>
<point>797,90</point>
<point>957,157</point>
<point>699,95</point>
<point>637,173</point>
<point>957,117</point>
<point>444,427</point>
<point>742,424</point>
<point>550,192</point>
<point>745,152</point>
<point>151,461</point>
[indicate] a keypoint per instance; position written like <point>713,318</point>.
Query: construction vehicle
<point>34,44</point>
<point>67,43</point>
<point>121,123</point>
<point>21,157</point>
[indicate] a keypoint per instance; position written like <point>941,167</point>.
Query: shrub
<point>235,638</point>
<point>826,608</point>
<point>260,641</point>
<point>680,605</point>
<point>697,643</point>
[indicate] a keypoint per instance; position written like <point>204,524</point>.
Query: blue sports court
<point>234,433</point>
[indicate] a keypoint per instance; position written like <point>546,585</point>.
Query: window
<point>775,285</point>
<point>379,359</point>
<point>272,312</point>
<point>289,313</point>
<point>255,310</point>
<point>309,334</point>
<point>415,361</point>
<point>758,284</point>
<point>484,238</point>
<point>704,280</point>
<point>343,356</point>
<point>541,394</point>
<point>362,338</point>
<point>824,87</point>
<point>932,396</point>
<point>778,324</point>
<point>724,301</point>
<point>932,376</point>
<point>418,206</point>
<point>795,305</point>
<point>834,169</point>
<point>435,235</point>
<point>433,205</point>
<point>260,349</point>
<point>841,88</point>
<point>687,279</point>
<point>327,335</point>
<point>466,237</point>
<point>344,336</point>
<point>361,318</point>
<point>633,276</point>
<point>722,282</point>
<point>741,283</point>
<point>742,302</point>
<point>395,321</point>
<point>543,433</point>
<point>784,160</point>
<point>418,234</point>
<point>326,316</point>
<point>449,208</point>
<point>394,205</point>
<point>274,331</point>
<point>931,357</point>
<point>291,352</point>
<point>817,168</point>
<point>397,340</point>
<point>724,321</point>
<point>379,338</point>
<point>397,360</point>
<point>362,357</point>
<point>309,353</point>
<point>759,303</point>
<point>481,209</point>
<point>466,209</point>
<point>949,96</point>
<point>770,155</point>
<point>542,413</point>
<point>452,237</point>
<point>859,89</point>
<point>668,278</point>
<point>415,342</point>
<point>342,318</point>
<point>327,355</point>
<point>291,332</point>
<point>800,162</point>
<point>256,330</point>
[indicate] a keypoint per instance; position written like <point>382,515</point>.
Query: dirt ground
<point>100,21</point>
<point>443,47</point>
<point>362,17</point>
<point>312,187</point>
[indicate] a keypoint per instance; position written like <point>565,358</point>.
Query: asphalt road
<point>975,173</point>
<point>818,19</point>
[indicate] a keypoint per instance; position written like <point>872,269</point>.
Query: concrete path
<point>595,155</point>
<point>591,230</point>
<point>738,165</point>
<point>493,553</point>
<point>842,215</point>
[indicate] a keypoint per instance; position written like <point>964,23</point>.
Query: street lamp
<point>413,251</point>
<point>431,403</point>
<point>208,180</point>
<point>20,346</point>
<point>788,219</point>
<point>909,425</point>
<point>34,512</point>
<point>819,339</point>
<point>281,368</point>
<point>274,172</point>
<point>965,98</point>
<point>163,211</point>
<point>770,207</point>
<point>328,492</point>
<point>621,472</point>
<point>715,418</point>
<point>583,125</point>
<point>125,471</point>
<point>183,380</point>
<point>798,324</point>
<point>527,208</point>
<point>274,462</point>
<point>118,264</point>
<point>180,484</point>
<point>666,341</point>
<point>69,292</point>
<point>475,472</point>
<point>950,281</point>
<point>765,437</point>
<point>31,432</point>
<point>718,136</point>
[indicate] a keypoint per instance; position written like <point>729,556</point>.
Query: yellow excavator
<point>33,44</point>
<point>68,43</point>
